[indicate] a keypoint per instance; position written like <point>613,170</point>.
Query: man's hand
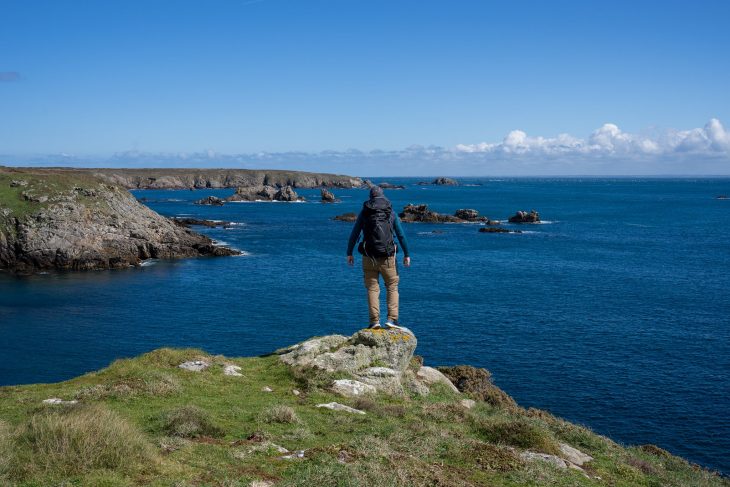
<point>407,261</point>
<point>350,260</point>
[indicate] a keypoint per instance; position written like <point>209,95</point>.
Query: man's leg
<point>389,270</point>
<point>370,273</point>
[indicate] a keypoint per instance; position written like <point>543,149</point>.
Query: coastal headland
<point>358,410</point>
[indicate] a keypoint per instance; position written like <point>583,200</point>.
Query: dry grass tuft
<point>279,414</point>
<point>78,440</point>
<point>189,422</point>
<point>158,385</point>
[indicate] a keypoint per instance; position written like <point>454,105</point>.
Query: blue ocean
<point>614,312</point>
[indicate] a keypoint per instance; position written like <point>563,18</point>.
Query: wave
<point>148,262</point>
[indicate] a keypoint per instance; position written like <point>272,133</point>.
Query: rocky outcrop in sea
<point>265,193</point>
<point>77,222</point>
<point>422,214</point>
<point>445,182</point>
<point>327,196</point>
<point>525,217</point>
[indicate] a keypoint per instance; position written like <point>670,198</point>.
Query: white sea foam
<point>148,262</point>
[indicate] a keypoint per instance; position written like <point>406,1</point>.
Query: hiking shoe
<point>375,326</point>
<point>393,325</point>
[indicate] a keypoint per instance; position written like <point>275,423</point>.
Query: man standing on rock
<point>378,222</point>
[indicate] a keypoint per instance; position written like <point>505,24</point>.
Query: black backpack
<point>377,229</point>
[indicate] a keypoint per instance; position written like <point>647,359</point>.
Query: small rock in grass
<point>531,456</point>
<point>57,401</point>
<point>267,389</point>
<point>336,406</point>
<point>429,375</point>
<point>294,456</point>
<point>295,392</point>
<point>261,483</point>
<point>352,388</point>
<point>573,455</point>
<point>468,403</point>
<point>234,370</point>
<point>194,365</point>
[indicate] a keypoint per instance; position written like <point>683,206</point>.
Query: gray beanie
<point>375,192</point>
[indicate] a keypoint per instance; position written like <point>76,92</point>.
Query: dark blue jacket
<point>397,229</point>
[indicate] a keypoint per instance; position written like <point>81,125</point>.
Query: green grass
<point>42,187</point>
<point>174,427</point>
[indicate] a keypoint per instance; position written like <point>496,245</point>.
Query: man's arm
<point>401,238</point>
<point>354,235</point>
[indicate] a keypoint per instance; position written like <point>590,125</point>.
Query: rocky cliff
<point>71,220</point>
<point>219,178</point>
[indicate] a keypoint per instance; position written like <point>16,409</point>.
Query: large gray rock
<point>373,358</point>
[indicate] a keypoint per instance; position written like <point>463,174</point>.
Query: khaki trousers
<point>373,268</point>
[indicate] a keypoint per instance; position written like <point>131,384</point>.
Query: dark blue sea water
<point>615,313</point>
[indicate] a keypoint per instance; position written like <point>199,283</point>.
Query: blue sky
<point>390,87</point>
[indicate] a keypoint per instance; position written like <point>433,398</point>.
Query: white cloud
<point>610,141</point>
<point>606,151</point>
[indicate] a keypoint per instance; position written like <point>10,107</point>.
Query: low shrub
<point>81,439</point>
<point>189,422</point>
<point>518,432</point>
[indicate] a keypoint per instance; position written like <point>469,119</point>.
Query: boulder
<point>327,196</point>
<point>352,388</point>
<point>525,217</point>
<point>478,383</point>
<point>573,455</point>
<point>375,358</point>
<point>429,376</point>
<point>445,182</point>
<point>346,217</point>
<point>211,200</point>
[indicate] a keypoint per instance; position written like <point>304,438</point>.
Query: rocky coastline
<point>164,178</point>
<point>74,221</point>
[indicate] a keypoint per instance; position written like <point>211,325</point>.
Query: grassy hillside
<point>24,192</point>
<point>144,421</point>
